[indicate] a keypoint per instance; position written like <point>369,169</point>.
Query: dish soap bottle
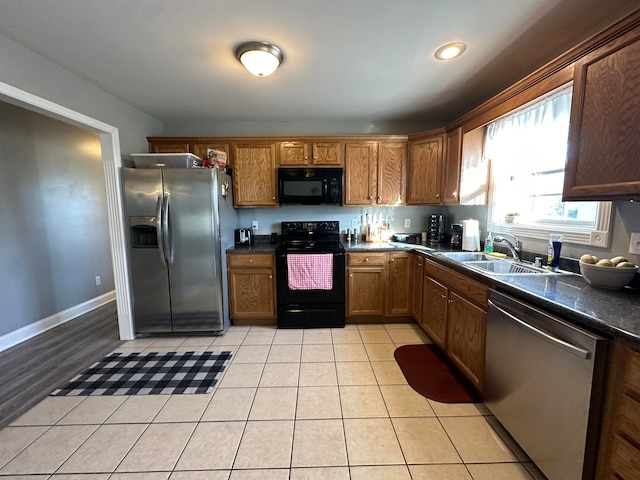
<point>488,243</point>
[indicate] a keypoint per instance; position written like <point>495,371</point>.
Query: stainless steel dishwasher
<point>544,383</point>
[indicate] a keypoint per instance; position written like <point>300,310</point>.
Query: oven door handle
<point>284,255</point>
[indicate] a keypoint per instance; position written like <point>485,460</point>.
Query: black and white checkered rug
<point>149,373</point>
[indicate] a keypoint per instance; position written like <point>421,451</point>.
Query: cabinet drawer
<point>244,260</point>
<point>364,259</point>
<point>625,458</point>
<point>468,288</point>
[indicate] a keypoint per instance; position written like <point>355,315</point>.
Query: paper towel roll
<point>470,235</point>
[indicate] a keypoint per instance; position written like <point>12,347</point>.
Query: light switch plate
<point>407,223</point>
<point>634,243</point>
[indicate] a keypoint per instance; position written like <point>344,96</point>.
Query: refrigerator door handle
<point>159,230</point>
<point>165,230</point>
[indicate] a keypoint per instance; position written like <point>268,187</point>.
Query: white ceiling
<point>347,60</point>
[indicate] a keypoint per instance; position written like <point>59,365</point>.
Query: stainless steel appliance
<point>456,236</point>
<point>310,308</point>
<point>243,237</point>
<point>180,223</point>
<point>544,383</point>
<point>310,186</point>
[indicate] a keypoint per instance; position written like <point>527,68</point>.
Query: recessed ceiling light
<point>450,50</point>
<point>260,58</point>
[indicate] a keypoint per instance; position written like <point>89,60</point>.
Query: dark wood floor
<point>32,369</point>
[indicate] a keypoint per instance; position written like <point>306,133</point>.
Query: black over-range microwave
<point>310,186</point>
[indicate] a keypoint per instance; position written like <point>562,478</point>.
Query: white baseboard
<point>36,328</point>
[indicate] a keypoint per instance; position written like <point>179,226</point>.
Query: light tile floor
<point>323,404</point>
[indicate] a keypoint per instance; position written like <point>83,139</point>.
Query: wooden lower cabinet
<point>417,274</point>
<point>619,449</point>
<point>466,337</point>
<point>252,287</point>
<point>378,284</point>
<point>454,315</point>
<point>434,310</point>
<point>399,291</point>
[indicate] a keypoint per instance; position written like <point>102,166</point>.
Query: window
<point>527,150</point>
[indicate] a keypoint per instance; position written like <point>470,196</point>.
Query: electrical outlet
<point>634,243</point>
<point>98,280</point>
<point>254,224</point>
<point>407,223</point>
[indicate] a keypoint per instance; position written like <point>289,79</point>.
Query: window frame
<point>598,236</point>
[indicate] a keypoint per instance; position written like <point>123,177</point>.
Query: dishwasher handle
<point>577,351</point>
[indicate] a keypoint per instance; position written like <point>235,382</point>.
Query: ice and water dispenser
<point>143,232</point>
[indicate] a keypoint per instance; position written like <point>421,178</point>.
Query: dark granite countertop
<point>609,312</point>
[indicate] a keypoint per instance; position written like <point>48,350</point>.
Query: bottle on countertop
<point>488,243</point>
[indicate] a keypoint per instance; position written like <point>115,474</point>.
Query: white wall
<point>29,71</point>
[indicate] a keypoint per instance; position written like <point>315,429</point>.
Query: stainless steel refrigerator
<point>180,222</point>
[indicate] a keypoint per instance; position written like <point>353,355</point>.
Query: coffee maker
<point>456,236</point>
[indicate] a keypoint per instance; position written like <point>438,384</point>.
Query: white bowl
<point>607,277</point>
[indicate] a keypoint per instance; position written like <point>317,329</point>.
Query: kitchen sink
<point>507,267</point>
<point>467,256</point>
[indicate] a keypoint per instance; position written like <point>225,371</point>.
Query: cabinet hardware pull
<point>251,260</point>
<point>270,276</point>
<point>443,296</point>
<point>437,195</point>
<point>366,259</point>
<point>393,260</point>
<point>273,198</point>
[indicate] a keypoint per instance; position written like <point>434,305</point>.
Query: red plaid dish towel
<point>310,271</point>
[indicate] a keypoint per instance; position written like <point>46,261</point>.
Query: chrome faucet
<point>515,247</point>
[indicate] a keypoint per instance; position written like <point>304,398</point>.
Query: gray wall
<point>52,218</point>
<point>45,270</point>
<point>269,218</point>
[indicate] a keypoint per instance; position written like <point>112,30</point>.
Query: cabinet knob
<point>443,296</point>
<point>251,260</point>
<point>393,260</point>
<point>306,158</point>
<point>379,197</point>
<point>270,276</point>
<point>351,275</point>
<point>314,157</point>
<point>449,301</point>
<point>366,259</point>
<point>437,195</point>
<point>370,197</point>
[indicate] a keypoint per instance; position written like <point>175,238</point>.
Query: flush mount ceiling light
<point>450,50</point>
<point>260,58</point>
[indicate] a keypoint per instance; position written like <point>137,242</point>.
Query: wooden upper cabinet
<point>360,173</point>
<point>254,175</point>
<point>474,169</point>
<point>424,170</point>
<point>603,160</point>
<point>294,154</point>
<point>168,147</point>
<point>201,149</point>
<point>327,153</point>
<point>451,170</point>
<point>392,161</point>
<point>302,154</point>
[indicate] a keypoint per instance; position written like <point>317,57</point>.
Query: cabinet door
<point>252,293</point>
<point>294,154</point>
<point>451,170</point>
<point>254,175</point>
<point>200,149</point>
<point>417,264</point>
<point>168,148</point>
<point>425,171</point>
<point>327,153</point>
<point>392,161</point>
<point>603,161</point>
<point>434,310</point>
<point>360,173</point>
<point>466,337</point>
<point>366,287</point>
<point>399,284</point>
